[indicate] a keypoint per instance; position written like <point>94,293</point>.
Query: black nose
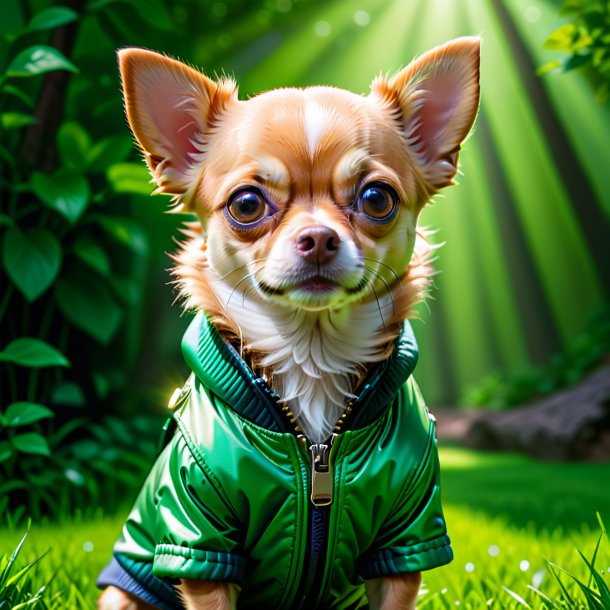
<point>317,244</point>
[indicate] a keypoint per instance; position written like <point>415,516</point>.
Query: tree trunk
<point>38,148</point>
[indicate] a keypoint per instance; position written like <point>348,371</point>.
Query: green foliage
<point>39,59</point>
<point>589,349</point>
<point>586,38</point>
<point>32,353</point>
<point>71,267</point>
<point>32,259</point>
<point>52,469</point>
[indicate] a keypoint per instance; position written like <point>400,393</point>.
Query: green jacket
<point>231,497</point>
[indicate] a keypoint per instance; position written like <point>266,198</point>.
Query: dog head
<point>307,198</point>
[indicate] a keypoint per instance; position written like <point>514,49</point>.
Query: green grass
<point>506,515</point>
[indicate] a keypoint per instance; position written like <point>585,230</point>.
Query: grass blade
<point>516,596</point>
<point>546,600</point>
<point>9,566</point>
<point>565,592</point>
<point>15,579</point>
<point>602,585</point>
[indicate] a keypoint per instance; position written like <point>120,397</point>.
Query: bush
<point>72,268</point>
<point>586,38</point>
<point>589,349</point>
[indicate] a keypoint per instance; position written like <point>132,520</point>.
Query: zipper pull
<point>321,473</point>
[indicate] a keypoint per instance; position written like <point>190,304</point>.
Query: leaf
<point>576,61</point>
<point>87,303</point>
<point>92,255</point>
<point>125,231</point>
<point>66,191</point>
<point>15,120</point>
<point>562,38</point>
<point>73,143</point>
<point>19,94</point>
<point>68,394</point>
<point>6,450</point>
<point>32,260</point>
<point>548,67</point>
<point>24,413</point>
<point>129,178</point>
<point>31,442</point>
<point>33,353</point>
<point>38,60</point>
<point>126,289</point>
<point>109,151</point>
<point>51,18</point>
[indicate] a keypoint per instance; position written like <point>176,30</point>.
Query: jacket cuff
<point>177,562</point>
<point>397,560</point>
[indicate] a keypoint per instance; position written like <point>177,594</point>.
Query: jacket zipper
<point>321,497</point>
<point>321,473</point>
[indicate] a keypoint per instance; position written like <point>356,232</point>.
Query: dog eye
<point>247,206</point>
<point>378,201</point>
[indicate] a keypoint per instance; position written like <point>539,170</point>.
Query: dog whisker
<point>254,262</point>
<point>392,271</point>
<point>379,308</point>
<point>243,279</point>
<point>385,283</point>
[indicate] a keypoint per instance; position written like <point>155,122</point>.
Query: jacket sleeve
<point>414,535</point>
<point>184,517</point>
<point>197,530</point>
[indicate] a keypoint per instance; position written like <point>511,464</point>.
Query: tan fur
<point>194,290</point>
<point>310,152</point>
<point>394,592</point>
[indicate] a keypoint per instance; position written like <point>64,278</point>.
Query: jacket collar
<point>219,367</point>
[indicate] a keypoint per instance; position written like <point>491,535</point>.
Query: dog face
<point>309,196</point>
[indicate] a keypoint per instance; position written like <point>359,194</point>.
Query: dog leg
<point>393,592</point>
<point>208,595</point>
<point>116,599</point>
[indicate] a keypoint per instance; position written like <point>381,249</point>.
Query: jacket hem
<point>416,558</point>
<point>172,561</point>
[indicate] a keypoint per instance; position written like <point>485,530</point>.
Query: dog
<point>302,471</point>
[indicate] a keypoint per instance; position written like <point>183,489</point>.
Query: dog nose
<point>318,244</point>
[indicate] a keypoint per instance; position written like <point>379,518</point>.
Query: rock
<point>573,423</point>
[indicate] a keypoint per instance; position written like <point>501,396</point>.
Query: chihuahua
<point>307,261</point>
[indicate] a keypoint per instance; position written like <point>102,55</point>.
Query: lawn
<point>506,515</point>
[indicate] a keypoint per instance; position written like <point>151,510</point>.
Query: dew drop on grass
<point>524,566</point>
<point>538,578</point>
<point>494,550</point>
<point>88,546</point>
<point>470,567</point>
<point>443,591</point>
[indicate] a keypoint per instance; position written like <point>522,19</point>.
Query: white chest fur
<point>315,357</point>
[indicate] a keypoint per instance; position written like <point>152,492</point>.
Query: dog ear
<point>436,97</point>
<point>171,109</point>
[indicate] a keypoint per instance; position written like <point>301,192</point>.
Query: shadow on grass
<point>525,492</point>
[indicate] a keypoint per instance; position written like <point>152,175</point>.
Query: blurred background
<point>89,337</point>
